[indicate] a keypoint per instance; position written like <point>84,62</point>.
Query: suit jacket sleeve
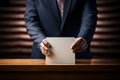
<point>32,23</point>
<point>89,19</point>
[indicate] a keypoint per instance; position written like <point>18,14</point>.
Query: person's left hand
<point>79,45</point>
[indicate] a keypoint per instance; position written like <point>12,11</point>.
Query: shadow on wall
<point>4,2</point>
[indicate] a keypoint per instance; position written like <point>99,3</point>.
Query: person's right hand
<point>45,47</point>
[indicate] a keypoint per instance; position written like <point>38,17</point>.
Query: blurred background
<point>16,43</point>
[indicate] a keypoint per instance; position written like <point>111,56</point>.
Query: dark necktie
<point>61,5</point>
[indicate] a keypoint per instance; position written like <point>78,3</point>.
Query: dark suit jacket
<point>43,19</point>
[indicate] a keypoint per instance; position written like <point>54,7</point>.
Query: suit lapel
<point>67,5</point>
<point>55,9</point>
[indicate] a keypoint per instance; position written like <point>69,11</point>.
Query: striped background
<point>15,42</point>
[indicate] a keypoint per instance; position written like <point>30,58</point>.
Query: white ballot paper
<point>61,52</point>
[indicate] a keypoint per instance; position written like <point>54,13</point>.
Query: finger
<point>77,50</point>
<point>49,52</point>
<point>45,42</point>
<point>75,44</point>
<point>85,45</point>
<point>45,52</point>
<point>79,45</point>
<point>80,49</point>
<point>42,50</point>
<point>82,44</point>
<point>42,45</point>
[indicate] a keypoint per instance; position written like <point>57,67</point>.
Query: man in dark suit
<point>49,18</point>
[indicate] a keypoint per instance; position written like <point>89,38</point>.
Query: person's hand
<point>79,45</point>
<point>45,47</point>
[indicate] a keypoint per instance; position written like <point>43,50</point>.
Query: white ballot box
<point>61,52</point>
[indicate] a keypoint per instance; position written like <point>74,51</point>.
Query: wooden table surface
<point>36,69</point>
<point>39,65</point>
